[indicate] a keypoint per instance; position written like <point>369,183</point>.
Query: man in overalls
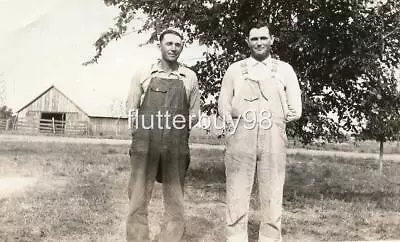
<point>164,102</point>
<point>259,95</point>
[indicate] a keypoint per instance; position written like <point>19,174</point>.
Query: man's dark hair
<point>257,24</point>
<point>170,31</point>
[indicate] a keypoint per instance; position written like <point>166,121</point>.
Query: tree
<point>382,96</point>
<point>5,112</point>
<point>333,45</point>
<point>6,118</point>
<point>2,91</point>
<point>117,107</point>
<point>383,100</point>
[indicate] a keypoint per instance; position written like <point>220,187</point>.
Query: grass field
<point>77,192</point>
<point>369,146</point>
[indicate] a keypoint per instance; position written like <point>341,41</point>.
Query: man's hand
<point>132,119</point>
<point>229,125</point>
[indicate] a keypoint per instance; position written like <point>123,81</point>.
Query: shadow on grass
<point>206,176</point>
<point>311,177</point>
<point>348,180</point>
<point>253,228</point>
<point>200,229</point>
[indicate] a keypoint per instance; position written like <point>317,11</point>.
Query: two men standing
<point>261,87</point>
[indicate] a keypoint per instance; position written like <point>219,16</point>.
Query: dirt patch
<point>13,185</point>
<point>19,185</point>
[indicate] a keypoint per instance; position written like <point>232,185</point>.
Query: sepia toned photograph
<point>199,121</point>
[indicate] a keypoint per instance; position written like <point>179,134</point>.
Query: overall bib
<point>256,150</point>
<point>159,150</point>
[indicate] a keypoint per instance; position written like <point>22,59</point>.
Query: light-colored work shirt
<point>233,80</point>
<point>141,80</point>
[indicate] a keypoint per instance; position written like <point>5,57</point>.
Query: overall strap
<point>274,68</point>
<point>243,67</point>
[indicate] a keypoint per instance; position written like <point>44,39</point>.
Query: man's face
<point>260,42</point>
<point>171,47</point>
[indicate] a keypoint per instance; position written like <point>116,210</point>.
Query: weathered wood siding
<point>107,126</point>
<point>51,101</point>
<point>55,102</point>
<point>77,121</point>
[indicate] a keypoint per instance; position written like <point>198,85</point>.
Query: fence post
<point>66,127</point>
<point>54,128</point>
<point>14,123</point>
<point>117,128</point>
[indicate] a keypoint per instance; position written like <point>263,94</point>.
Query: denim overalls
<point>160,151</point>
<point>256,149</point>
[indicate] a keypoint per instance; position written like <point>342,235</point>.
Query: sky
<point>45,42</point>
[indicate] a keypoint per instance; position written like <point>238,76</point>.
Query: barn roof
<point>91,112</point>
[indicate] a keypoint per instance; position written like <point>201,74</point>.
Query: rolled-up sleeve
<point>194,100</point>
<point>226,94</point>
<point>135,93</point>
<point>293,94</point>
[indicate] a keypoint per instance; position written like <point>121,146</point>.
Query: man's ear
<point>159,45</point>
<point>248,43</point>
<point>272,39</point>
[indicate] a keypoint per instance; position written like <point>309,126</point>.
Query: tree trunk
<point>381,156</point>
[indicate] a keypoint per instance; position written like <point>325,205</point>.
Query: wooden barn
<point>108,126</point>
<point>53,112</point>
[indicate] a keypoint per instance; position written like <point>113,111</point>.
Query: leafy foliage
<point>5,112</point>
<point>340,50</point>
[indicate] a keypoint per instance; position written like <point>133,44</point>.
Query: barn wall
<point>77,122</point>
<point>54,101</point>
<point>107,126</point>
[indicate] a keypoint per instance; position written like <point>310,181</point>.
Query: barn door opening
<point>52,123</point>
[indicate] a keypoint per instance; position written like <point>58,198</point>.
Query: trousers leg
<point>271,178</point>
<point>143,171</point>
<point>174,169</point>
<point>240,165</point>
